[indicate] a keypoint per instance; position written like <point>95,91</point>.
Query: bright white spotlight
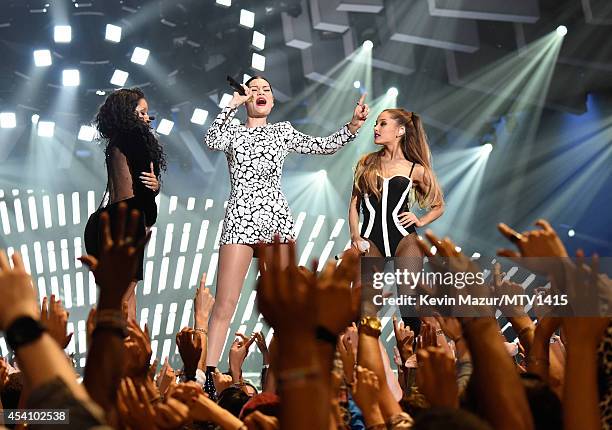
<point>259,40</point>
<point>62,33</point>
<point>87,133</point>
<point>113,33</point>
<point>247,18</point>
<point>100,93</point>
<point>71,78</point>
<point>226,3</point>
<point>199,116</point>
<point>42,58</point>
<point>562,30</point>
<point>119,78</point>
<point>140,56</point>
<point>368,44</point>
<point>322,174</point>
<point>258,62</point>
<point>392,92</point>
<point>165,126</point>
<point>357,84</point>
<point>46,128</point>
<point>8,120</point>
<point>35,118</point>
<point>225,99</point>
<point>487,148</point>
<point>571,232</point>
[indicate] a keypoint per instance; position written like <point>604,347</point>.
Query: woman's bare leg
<point>234,260</point>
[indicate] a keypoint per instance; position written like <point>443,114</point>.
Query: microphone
<point>151,118</point>
<point>235,85</point>
<point>362,245</point>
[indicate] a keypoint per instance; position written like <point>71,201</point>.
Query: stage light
<point>140,56</point>
<point>357,84</point>
<point>392,92</point>
<point>119,78</point>
<point>62,33</point>
<point>571,232</point>
<point>42,58</point>
<point>100,93</point>
<point>35,118</point>
<point>87,133</point>
<point>259,40</point>
<point>258,62</point>
<point>225,99</point>
<point>199,116</point>
<point>322,175</point>
<point>487,148</point>
<point>368,45</point>
<point>245,78</point>
<point>113,33</point>
<point>46,128</point>
<point>165,126</point>
<point>247,18</point>
<point>8,120</point>
<point>562,30</point>
<point>71,78</point>
<point>226,3</point>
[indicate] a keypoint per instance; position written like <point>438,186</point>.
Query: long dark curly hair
<point>119,126</point>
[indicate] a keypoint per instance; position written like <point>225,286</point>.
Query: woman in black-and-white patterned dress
<point>257,209</point>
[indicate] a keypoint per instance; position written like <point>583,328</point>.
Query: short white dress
<point>257,210</point>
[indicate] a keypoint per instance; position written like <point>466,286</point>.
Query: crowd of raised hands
<point>326,366</point>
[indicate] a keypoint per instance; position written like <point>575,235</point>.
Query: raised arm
<point>305,144</point>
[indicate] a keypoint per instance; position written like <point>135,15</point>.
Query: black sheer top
<point>126,159</point>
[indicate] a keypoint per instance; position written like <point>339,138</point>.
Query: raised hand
<point>149,179</point>
<point>404,337</point>
<point>238,100</point>
<point>285,297</point>
<point>360,114</point>
<point>55,318</point>
<point>337,303</point>
<point>135,407</point>
<point>222,381</point>
<point>202,305</point>
<point>189,344</point>
<point>366,394</point>
<point>116,266</point>
<point>427,337</point>
<point>436,377</point>
<point>261,345</point>
<point>347,355</point>
<point>165,378</point>
<point>18,296</point>
<point>543,242</point>
<point>238,353</point>
<point>137,350</point>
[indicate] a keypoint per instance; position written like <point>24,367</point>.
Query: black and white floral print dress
<point>257,209</point>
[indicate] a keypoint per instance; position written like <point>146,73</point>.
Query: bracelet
<point>439,332</point>
<point>121,332</point>
<point>202,330</point>
<point>298,375</point>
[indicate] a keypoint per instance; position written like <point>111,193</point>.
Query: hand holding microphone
<point>362,245</point>
<point>242,93</point>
